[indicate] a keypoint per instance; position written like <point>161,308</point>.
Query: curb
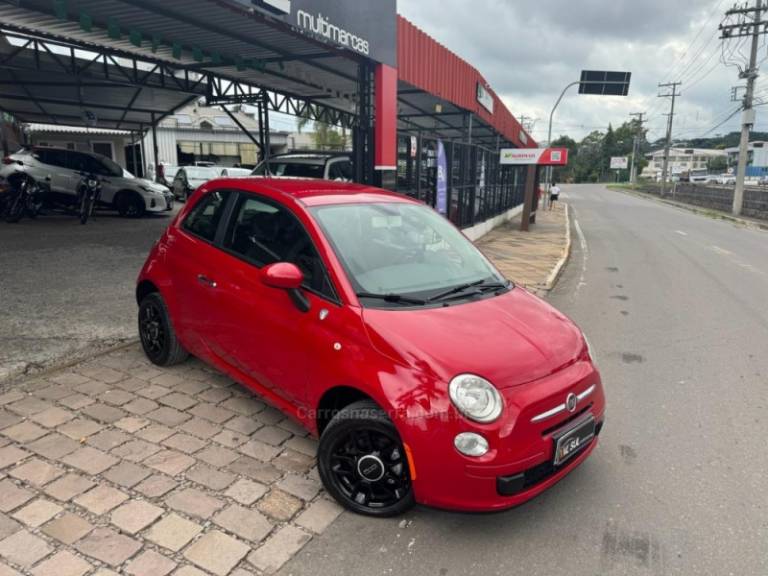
<point>72,360</point>
<point>709,212</point>
<point>554,275</point>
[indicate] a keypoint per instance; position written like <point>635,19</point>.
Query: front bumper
<point>519,464</point>
<point>157,203</point>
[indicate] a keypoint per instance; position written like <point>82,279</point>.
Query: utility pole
<point>636,145</point>
<point>670,118</point>
<point>754,27</point>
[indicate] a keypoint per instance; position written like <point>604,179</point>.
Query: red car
<point>376,324</point>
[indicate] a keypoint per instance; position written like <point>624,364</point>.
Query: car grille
<point>567,421</point>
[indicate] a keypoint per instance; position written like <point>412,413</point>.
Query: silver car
<point>190,178</point>
<point>63,169</point>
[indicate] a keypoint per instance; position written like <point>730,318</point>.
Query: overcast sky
<point>528,50</point>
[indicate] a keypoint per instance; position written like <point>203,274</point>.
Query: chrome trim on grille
<point>586,392</point>
<point>562,407</point>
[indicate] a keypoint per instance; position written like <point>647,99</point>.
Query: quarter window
<point>203,220</point>
<point>264,233</point>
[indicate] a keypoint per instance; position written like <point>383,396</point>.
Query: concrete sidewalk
<point>115,466</point>
<point>531,259</point>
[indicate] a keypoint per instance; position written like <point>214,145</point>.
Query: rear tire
<point>130,205</point>
<point>363,464</point>
<point>86,206</point>
<point>158,338</point>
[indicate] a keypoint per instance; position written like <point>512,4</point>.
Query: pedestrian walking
<point>554,194</point>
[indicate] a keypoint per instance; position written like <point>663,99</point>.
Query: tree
<point>718,164</point>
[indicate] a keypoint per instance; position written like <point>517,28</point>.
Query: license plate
<point>572,441</point>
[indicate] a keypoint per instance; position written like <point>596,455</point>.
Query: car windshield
<point>202,173</point>
<point>295,169</point>
<point>404,251</point>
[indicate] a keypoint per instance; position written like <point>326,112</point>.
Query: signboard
<point>603,83</point>
<point>484,97</point>
<point>619,162</point>
<point>414,146</point>
<point>534,156</point>
<point>442,179</point>
<point>367,28</point>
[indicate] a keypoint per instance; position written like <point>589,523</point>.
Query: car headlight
<point>476,398</point>
<point>149,190</point>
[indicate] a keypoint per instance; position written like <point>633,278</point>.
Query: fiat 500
<point>372,321</point>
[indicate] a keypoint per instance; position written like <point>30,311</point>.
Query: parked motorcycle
<point>25,198</point>
<point>88,191</point>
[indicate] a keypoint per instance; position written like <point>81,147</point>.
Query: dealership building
<point>423,121</point>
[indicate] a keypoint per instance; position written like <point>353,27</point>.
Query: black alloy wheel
<point>130,205</point>
<point>158,338</point>
<point>363,464</point>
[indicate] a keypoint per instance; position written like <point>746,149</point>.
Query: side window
<point>203,220</point>
<point>264,233</point>
<point>341,170</point>
<point>53,157</point>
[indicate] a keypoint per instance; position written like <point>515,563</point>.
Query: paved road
<point>66,288</point>
<point>676,306</point>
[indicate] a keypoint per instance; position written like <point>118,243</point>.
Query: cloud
<point>529,50</point>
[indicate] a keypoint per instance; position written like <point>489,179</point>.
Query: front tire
<point>158,338</point>
<point>130,205</point>
<point>363,464</point>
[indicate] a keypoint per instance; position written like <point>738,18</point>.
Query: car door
<point>192,260</point>
<point>54,165</point>
<point>260,330</point>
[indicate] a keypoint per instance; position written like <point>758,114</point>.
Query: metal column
<point>155,150</point>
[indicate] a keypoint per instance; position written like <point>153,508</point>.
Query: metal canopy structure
<point>127,64</point>
<point>420,111</point>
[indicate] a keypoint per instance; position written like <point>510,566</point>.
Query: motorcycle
<point>88,192</point>
<point>26,197</point>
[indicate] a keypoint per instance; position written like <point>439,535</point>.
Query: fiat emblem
<point>570,402</point>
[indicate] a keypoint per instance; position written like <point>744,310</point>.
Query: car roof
<point>312,192</point>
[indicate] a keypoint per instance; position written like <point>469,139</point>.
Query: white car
<point>235,172</point>
<point>62,170</point>
<point>190,178</point>
<point>726,179</point>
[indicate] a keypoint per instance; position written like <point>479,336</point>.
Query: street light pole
<point>549,133</point>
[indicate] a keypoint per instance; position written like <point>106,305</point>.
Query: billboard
<point>366,28</point>
<point>619,162</point>
<point>534,156</point>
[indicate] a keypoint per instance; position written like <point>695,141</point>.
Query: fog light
<point>471,444</point>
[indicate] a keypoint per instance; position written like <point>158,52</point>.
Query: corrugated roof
<point>427,65</point>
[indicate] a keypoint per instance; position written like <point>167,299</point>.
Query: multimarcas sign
<point>367,27</point>
<point>322,26</point>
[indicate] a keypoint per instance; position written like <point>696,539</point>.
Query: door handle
<point>205,281</point>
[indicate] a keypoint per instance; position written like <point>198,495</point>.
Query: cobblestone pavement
<point>528,258</point>
<point>117,466</point>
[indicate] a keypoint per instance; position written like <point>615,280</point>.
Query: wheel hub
<point>370,468</point>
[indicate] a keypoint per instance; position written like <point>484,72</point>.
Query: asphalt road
<point>676,307</point>
<point>67,289</point>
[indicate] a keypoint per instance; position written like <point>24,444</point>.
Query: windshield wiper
<point>394,298</point>
<point>478,284</point>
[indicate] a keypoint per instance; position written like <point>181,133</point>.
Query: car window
<point>203,220</point>
<point>52,156</point>
<point>341,170</point>
<point>264,233</point>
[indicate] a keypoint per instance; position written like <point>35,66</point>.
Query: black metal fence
<point>479,187</point>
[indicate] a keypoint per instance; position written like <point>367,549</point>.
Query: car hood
<point>509,339</point>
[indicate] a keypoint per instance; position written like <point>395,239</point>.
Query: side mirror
<point>283,275</point>
<point>286,276</point>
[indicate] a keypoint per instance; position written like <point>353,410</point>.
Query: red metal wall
<point>428,65</point>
